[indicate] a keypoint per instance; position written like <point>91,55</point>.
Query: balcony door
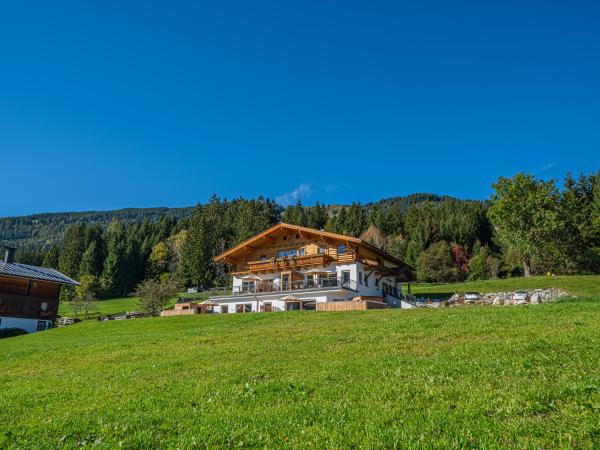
<point>285,280</point>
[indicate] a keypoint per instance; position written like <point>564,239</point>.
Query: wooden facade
<point>288,247</point>
<point>28,299</point>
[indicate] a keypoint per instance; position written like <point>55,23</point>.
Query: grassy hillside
<point>105,307</point>
<point>576,285</point>
<point>475,377</point>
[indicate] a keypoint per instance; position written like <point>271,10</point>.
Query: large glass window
<point>328,280</point>
<point>287,253</point>
<point>248,286</point>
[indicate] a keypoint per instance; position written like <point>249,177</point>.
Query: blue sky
<point>128,104</point>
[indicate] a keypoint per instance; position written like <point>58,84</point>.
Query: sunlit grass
<point>576,285</point>
<point>525,376</point>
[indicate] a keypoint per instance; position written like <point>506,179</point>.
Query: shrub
<point>11,332</point>
<point>436,263</point>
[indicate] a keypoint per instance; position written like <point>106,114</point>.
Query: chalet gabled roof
<point>35,273</point>
<point>280,227</point>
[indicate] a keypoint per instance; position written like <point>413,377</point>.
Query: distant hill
<point>42,230</point>
<point>407,201</point>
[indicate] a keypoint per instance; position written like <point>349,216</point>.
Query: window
<point>41,325</point>
<point>376,283</point>
<point>263,257</point>
<point>360,280</point>
<point>345,277</point>
<point>341,249</point>
<point>328,280</point>
<point>367,281</point>
<point>44,306</point>
<point>243,308</point>
<point>301,252</point>
<point>322,250</point>
<point>248,286</point>
<point>287,253</point>
<point>224,309</point>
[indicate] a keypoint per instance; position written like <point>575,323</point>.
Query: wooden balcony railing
<point>294,262</point>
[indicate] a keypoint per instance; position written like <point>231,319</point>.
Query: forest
<point>528,226</point>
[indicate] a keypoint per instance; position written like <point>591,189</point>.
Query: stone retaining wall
<point>534,296</point>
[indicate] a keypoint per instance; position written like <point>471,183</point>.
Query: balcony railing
<point>267,287</point>
<point>293,262</point>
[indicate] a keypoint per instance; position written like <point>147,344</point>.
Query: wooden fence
<point>178,312</point>
<point>351,305</point>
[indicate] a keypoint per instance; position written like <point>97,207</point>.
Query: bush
<point>436,264</point>
<point>11,332</point>
<point>478,265</point>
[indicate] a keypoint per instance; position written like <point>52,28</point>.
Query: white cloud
<point>548,166</point>
<point>289,198</point>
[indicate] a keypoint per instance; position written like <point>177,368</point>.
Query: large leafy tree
<point>525,215</point>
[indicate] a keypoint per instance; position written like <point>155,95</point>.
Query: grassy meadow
<point>104,307</point>
<point>576,285</point>
<point>525,376</point>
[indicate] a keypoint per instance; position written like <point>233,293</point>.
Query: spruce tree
<point>72,249</point>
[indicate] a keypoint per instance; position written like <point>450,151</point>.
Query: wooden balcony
<point>279,264</point>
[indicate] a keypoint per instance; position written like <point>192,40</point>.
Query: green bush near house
<point>488,377</point>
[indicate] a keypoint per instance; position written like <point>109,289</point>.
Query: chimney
<point>9,254</point>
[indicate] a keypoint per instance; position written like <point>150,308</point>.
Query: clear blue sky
<point>127,104</point>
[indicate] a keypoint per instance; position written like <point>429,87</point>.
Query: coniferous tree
<point>51,257</point>
<point>114,276</point>
<point>72,249</point>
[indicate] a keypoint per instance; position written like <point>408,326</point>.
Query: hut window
<point>360,280</point>
<point>44,306</point>
<point>41,325</point>
<point>224,309</point>
<point>342,249</point>
<point>263,257</point>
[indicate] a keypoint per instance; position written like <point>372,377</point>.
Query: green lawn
<point>105,307</point>
<point>524,376</point>
<point>576,285</point>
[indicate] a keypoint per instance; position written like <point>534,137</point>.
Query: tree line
<point>528,226</point>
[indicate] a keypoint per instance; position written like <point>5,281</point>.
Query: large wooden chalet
<point>292,267</point>
<point>29,295</point>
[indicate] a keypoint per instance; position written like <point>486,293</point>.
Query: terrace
<point>252,286</point>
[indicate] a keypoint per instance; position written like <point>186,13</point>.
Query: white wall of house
<point>29,325</point>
